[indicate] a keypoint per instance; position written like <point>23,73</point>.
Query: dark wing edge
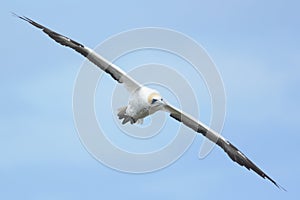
<point>234,153</point>
<point>115,72</point>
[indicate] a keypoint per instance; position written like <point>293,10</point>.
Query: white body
<point>141,105</point>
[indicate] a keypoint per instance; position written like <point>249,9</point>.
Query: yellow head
<point>153,97</point>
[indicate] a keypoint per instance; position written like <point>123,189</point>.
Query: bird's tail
<point>126,118</point>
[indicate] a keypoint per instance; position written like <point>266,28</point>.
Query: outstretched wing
<point>116,73</point>
<point>234,153</point>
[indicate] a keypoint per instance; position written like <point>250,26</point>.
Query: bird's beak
<point>161,102</point>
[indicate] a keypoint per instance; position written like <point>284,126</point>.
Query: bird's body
<point>144,101</point>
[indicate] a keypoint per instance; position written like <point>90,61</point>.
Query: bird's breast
<point>138,105</point>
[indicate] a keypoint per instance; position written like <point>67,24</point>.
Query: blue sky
<point>255,46</point>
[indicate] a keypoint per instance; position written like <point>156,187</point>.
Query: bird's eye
<point>153,101</point>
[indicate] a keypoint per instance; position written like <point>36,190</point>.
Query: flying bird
<point>144,101</point>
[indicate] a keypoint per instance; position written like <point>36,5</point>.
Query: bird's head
<point>155,100</point>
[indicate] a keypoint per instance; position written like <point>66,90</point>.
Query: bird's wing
<point>233,152</point>
<point>116,73</point>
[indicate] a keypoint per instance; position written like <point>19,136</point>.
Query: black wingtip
<point>237,156</point>
<point>281,188</point>
<point>28,20</point>
<point>21,17</point>
<point>14,14</point>
<point>276,184</point>
<point>63,40</point>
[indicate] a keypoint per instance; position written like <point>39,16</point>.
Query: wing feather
<point>115,72</point>
<point>234,153</point>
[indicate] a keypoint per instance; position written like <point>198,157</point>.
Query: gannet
<point>144,101</point>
